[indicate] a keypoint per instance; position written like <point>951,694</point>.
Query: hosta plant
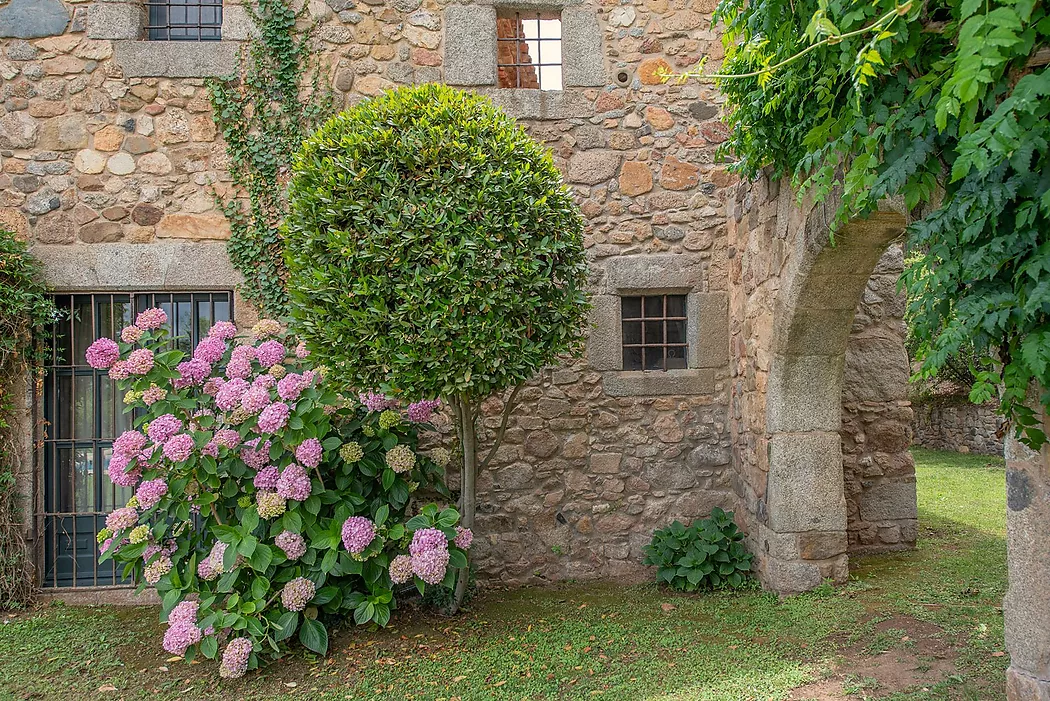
<point>266,503</point>
<point>709,553</point>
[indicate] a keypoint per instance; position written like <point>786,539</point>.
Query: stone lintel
<point>175,59</point>
<point>528,103</point>
<point>658,383</point>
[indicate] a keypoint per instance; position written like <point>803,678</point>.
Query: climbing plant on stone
<point>434,252</point>
<point>946,105</point>
<point>264,112</point>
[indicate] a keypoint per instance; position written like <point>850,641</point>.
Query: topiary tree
<point>434,252</point>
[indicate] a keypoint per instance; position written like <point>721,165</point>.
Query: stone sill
<point>527,103</point>
<point>101,596</point>
<point>642,383</point>
<point>176,59</point>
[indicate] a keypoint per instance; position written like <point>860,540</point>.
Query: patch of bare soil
<point>908,655</point>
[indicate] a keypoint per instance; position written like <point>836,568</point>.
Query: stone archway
<point>794,301</point>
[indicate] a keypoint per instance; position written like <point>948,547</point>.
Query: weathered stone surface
<point>193,226</point>
<point>470,45</point>
<point>175,59</point>
<point>56,228</point>
<point>120,164</point>
<point>64,133</point>
<point>679,175</point>
<point>155,163</point>
<point>101,232</point>
<point>146,214</point>
<point>889,501</point>
<point>89,161</point>
<point>635,178</point>
<point>18,131</point>
<point>593,167</point>
<point>108,138</point>
<point>30,19</point>
<point>650,70</point>
<point>583,57</point>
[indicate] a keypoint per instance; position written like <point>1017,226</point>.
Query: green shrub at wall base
<point>709,553</point>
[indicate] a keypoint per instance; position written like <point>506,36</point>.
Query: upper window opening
<point>529,50</point>
<point>654,332</point>
<point>184,20</point>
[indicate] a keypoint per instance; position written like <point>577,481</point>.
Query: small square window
<point>184,20</point>
<point>654,332</point>
<point>528,50</point>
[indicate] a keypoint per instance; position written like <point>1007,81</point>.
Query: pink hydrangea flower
<point>238,368</point>
<point>273,418</point>
<point>420,412</point>
<point>376,402</point>
<point>120,519</point>
<point>358,534</point>
<point>256,455</point>
<point>270,353</point>
<point>120,370</point>
<point>184,612</point>
<point>194,371</point>
<point>140,361</point>
<point>294,483</point>
<point>211,567</point>
<point>430,565</point>
<point>131,334</point>
<point>102,354</point>
<point>212,386</point>
<point>265,381</point>
<point>151,318</point>
<point>401,569</point>
<point>223,330</point>
<point>464,537</point>
<point>120,475</point>
<point>180,636</point>
<point>255,399</point>
<point>157,569</point>
<point>291,386</point>
<point>211,449</point>
<point>301,351</point>
<point>179,448</point>
<point>297,593</point>
<point>105,546</point>
<point>129,443</point>
<point>151,492</point>
<point>230,393</point>
<point>266,479</point>
<point>293,544</point>
<point>153,395</point>
<point>427,539</point>
<point>235,658</point>
<point>163,427</point>
<point>244,352</point>
<point>227,438</point>
<point>210,350</point>
<point>309,452</point>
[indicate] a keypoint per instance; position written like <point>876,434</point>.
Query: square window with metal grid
<point>528,50</point>
<point>654,332</point>
<point>184,20</point>
<point>84,412</point>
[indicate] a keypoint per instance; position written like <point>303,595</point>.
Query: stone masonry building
<point>733,359</point>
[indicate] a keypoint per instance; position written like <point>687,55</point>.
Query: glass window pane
<point>631,307</point>
<point>204,322</point>
<point>632,358</point>
<point>654,332</point>
<point>62,421</point>
<point>632,332</point>
<point>676,331</point>
<point>222,308</point>
<point>676,358</point>
<point>675,305</point>
<point>108,406</point>
<point>104,319</point>
<point>654,358</point>
<point>84,479</point>
<point>654,307</point>
<point>83,331</point>
<point>184,325</point>
<point>84,407</point>
<point>62,500</point>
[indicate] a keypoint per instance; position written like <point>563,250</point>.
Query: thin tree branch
<point>508,408</point>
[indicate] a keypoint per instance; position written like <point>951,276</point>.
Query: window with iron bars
<point>528,50</point>
<point>654,332</point>
<point>184,20</point>
<point>84,412</point>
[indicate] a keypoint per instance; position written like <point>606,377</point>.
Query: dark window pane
<point>654,307</point>
<point>62,421</point>
<point>631,307</point>
<point>84,407</point>
<point>84,480</point>
<point>222,308</point>
<point>676,331</point>
<point>654,332</point>
<point>632,332</point>
<point>654,358</point>
<point>675,305</point>
<point>83,328</point>
<point>632,358</point>
<point>676,359</point>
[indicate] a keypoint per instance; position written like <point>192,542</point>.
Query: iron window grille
<point>184,20</point>
<point>83,413</point>
<point>529,51</point>
<point>654,332</point>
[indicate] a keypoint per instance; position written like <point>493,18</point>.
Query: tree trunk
<point>468,492</point>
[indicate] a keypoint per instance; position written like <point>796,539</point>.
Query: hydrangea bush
<point>266,504</point>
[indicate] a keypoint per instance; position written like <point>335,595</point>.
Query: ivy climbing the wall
<point>944,103</point>
<point>264,112</point>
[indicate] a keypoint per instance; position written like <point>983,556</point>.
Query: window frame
<point>645,320</point>
<point>157,25</point>
<point>520,18</point>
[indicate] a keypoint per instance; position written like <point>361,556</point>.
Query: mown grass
<point>600,641</point>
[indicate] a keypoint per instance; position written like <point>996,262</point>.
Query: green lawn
<point>925,624</point>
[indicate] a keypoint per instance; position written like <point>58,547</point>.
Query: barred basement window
<point>84,412</point>
<point>184,20</point>
<point>528,50</point>
<point>654,332</point>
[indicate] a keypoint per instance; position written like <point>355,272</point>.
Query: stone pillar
<point>1027,602</point>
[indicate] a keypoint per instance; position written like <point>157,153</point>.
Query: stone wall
<point>953,423</point>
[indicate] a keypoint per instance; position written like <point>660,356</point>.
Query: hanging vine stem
<point>881,24</point>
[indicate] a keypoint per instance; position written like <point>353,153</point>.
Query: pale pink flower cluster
<point>179,448</point>
<point>102,354</point>
<point>420,412</point>
<point>157,569</point>
<point>273,418</point>
<point>358,534</point>
<point>293,544</point>
<point>464,537</point>
<point>266,479</point>
<point>255,399</point>
<point>153,395</point>
<point>223,330</point>
<point>131,334</point>
<point>140,361</point>
<point>119,474</point>
<point>151,318</point>
<point>270,353</point>
<point>227,438</point>
<point>230,392</point>
<point>309,452</point>
<point>182,628</point>
<point>291,386</point>
<point>235,658</point>
<point>256,455</point>
<point>151,492</point>
<point>301,351</point>
<point>376,402</point>
<point>429,549</point>
<point>211,567</point>
<point>119,519</point>
<point>192,373</point>
<point>265,381</point>
<point>401,569</point>
<point>294,483</point>
<point>163,427</point>
<point>297,593</point>
<point>210,350</point>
